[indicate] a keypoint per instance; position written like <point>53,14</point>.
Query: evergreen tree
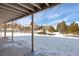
<point>73,27</point>
<point>62,27</point>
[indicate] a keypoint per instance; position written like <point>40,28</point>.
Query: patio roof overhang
<point>14,11</point>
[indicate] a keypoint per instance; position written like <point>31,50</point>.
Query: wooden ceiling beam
<point>36,5</point>
<point>27,6</point>
<point>47,4</point>
<point>17,7</point>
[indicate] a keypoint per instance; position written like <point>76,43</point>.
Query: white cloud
<point>77,22</point>
<point>28,21</point>
<point>53,16</point>
<point>64,19</point>
<point>58,21</point>
<point>68,23</point>
<point>24,21</point>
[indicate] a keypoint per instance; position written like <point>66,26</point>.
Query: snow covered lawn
<point>52,46</point>
<point>56,46</point>
<point>44,45</point>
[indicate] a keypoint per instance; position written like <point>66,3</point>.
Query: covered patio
<point>9,12</point>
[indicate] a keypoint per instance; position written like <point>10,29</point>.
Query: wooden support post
<point>5,31</point>
<point>32,33</point>
<point>12,31</point>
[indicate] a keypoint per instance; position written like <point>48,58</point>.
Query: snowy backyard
<point>44,45</point>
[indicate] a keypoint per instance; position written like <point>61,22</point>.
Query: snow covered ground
<point>50,46</point>
<point>57,34</point>
<point>47,45</point>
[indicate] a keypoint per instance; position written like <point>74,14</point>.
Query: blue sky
<point>54,15</point>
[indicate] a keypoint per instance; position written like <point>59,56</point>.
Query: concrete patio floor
<point>7,48</point>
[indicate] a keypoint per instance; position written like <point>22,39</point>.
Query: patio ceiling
<point>13,11</point>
